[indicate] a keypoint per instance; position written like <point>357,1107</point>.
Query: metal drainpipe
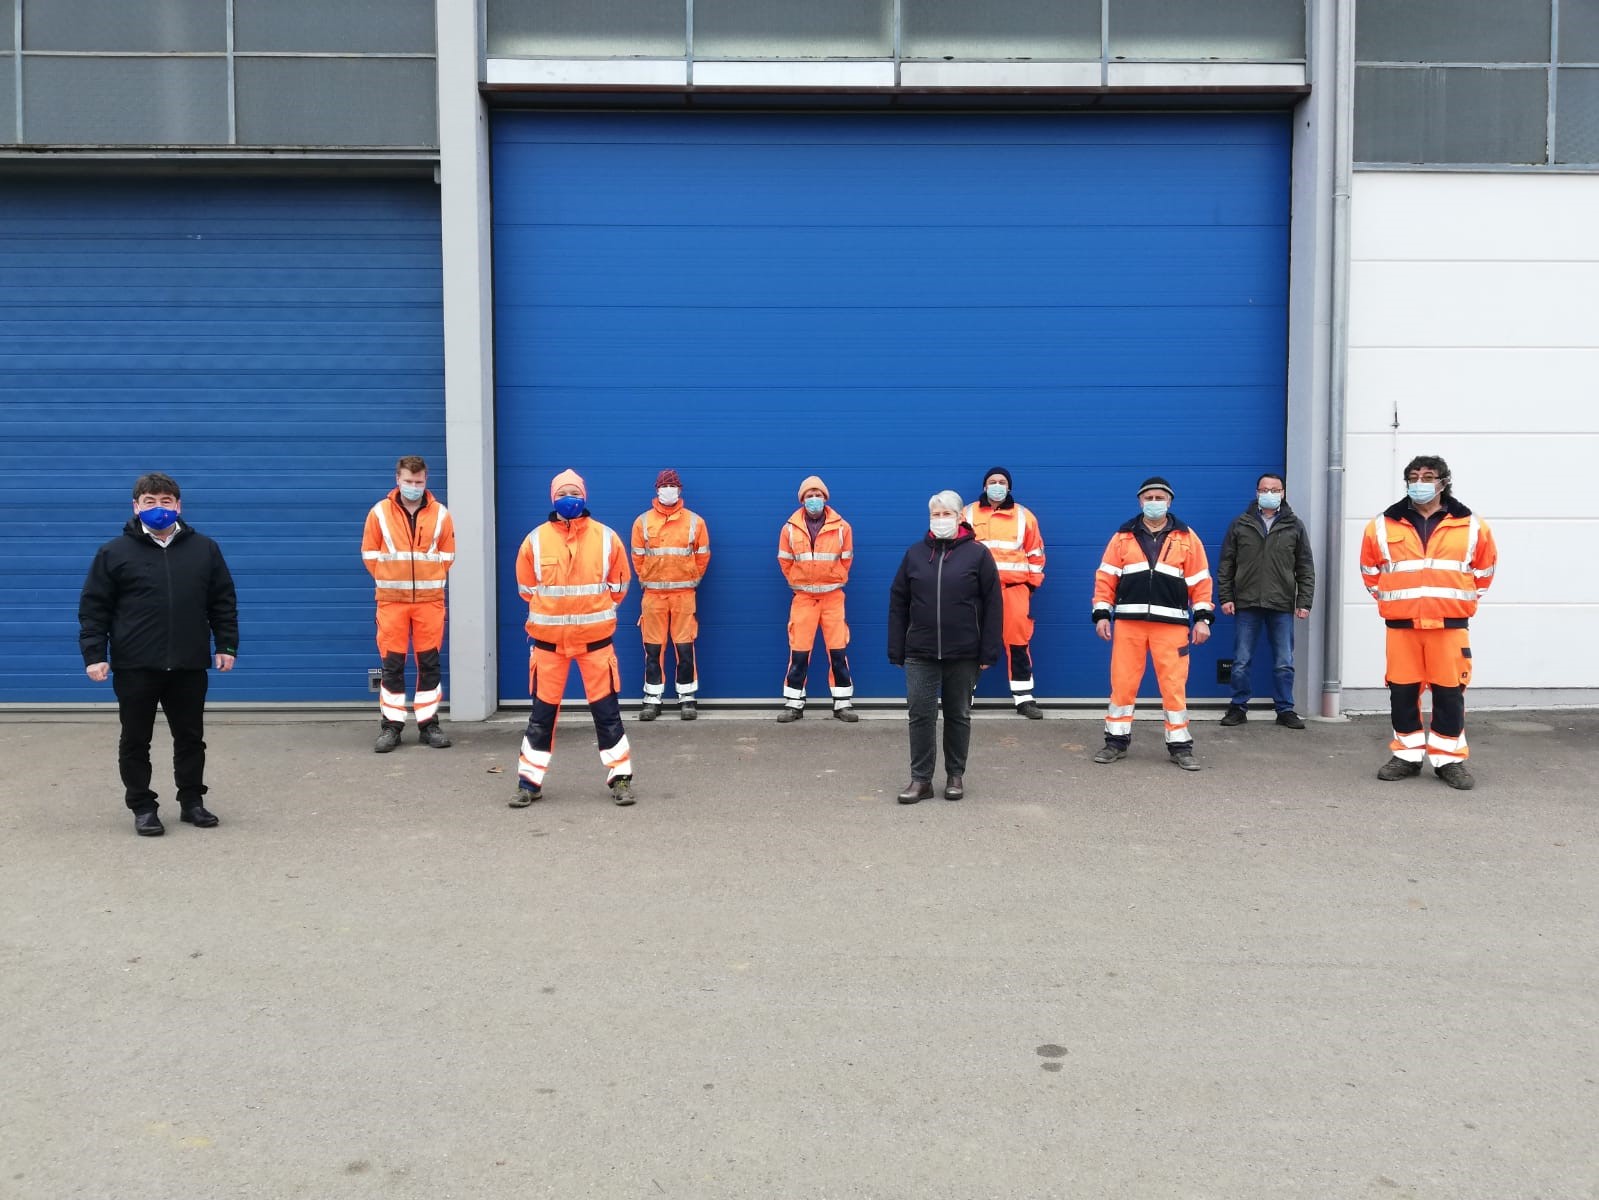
<point>1338,354</point>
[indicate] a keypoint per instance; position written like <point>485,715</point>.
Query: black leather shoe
<point>954,787</point>
<point>648,712</point>
<point>789,714</point>
<point>199,816</point>
<point>148,825</point>
<point>915,790</point>
<point>1030,710</point>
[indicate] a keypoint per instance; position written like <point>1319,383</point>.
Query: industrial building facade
<point>268,246</point>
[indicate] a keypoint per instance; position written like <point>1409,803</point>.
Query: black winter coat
<point>159,608</point>
<point>1266,570</point>
<point>946,603</point>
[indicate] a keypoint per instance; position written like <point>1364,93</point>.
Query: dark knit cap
<point>668,478</point>
<point>991,472</point>
<point>1156,481</point>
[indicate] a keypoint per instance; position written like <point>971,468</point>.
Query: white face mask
<point>667,495</point>
<point>943,527</point>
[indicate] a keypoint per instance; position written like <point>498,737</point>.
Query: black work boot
<point>1030,710</point>
<point>1289,719</point>
<point>1235,715</point>
<point>1398,768</point>
<point>1456,776</point>
<point>649,711</point>
<point>388,740</point>
<point>687,711</point>
<point>789,713</point>
<point>432,734</point>
<point>1109,754</point>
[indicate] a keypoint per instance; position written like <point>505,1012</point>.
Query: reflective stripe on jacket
<point>409,565</point>
<point>819,567</point>
<point>1431,586</point>
<point>1012,537</point>
<point>572,576</point>
<point>671,548</point>
<point>1128,587</point>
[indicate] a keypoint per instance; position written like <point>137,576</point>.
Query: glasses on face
<point>1423,477</point>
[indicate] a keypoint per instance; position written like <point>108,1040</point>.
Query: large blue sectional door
<point>274,345</point>
<point>895,303</point>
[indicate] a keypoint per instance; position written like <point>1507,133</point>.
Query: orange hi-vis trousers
<point>400,627</point>
<point>547,674</point>
<point>668,617</point>
<point>1018,602</point>
<point>1435,660</point>
<point>1131,642</point>
<point>808,611</point>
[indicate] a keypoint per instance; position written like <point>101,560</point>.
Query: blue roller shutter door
<point>273,345</point>
<point>896,304</point>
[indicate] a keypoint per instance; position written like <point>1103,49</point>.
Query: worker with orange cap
<point>815,549</point>
<point>671,549</point>
<point>572,572</point>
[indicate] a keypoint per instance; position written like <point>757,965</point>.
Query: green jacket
<point>1266,570</point>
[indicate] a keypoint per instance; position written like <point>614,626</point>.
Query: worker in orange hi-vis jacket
<point>1427,560</point>
<point>409,547</point>
<point>1011,534</point>
<point>1152,585</point>
<point>815,549</point>
<point>572,573</point>
<point>671,549</point>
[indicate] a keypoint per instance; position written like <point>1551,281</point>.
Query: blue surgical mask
<point>997,492</point>
<point>1155,509</point>
<point>158,518</point>
<point>814,505</point>
<point>1422,492</point>
<point>569,507</point>
<point>413,494</point>
<point>1269,500</point>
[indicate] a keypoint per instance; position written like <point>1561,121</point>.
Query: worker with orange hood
<point>815,549</point>
<point>671,549</point>
<point>572,572</point>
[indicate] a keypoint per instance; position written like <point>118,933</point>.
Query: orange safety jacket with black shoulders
<point>572,574</point>
<point>671,548</point>
<point>409,562</point>
<point>1177,588</point>
<point>1010,531</point>
<point>1432,586</point>
<point>819,566</point>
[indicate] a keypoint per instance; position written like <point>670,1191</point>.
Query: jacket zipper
<point>166,565</point>
<point>938,604</point>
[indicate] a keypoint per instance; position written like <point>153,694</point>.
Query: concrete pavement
<point>1278,977</point>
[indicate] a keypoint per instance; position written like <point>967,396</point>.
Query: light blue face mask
<point>1269,500</point>
<point>997,493</point>
<point>569,507</point>
<point>1155,509</point>
<point>815,505</point>
<point>1422,492</point>
<point>413,494</point>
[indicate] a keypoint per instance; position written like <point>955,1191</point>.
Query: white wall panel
<point>1564,654</point>
<point>1460,217</point>
<point>1474,304</point>
<point>1472,389</point>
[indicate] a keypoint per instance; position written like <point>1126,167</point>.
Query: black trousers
<point>179,694</point>
<point>925,680</point>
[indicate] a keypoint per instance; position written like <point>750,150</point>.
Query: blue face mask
<point>413,494</point>
<point>1269,500</point>
<point>1155,509</point>
<point>815,505</point>
<point>997,492</point>
<point>158,518</point>
<point>569,507</point>
<point>1422,493</point>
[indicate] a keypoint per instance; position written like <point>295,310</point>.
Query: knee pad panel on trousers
<point>1448,710</point>
<point>427,670</point>
<point>838,663</point>
<point>394,671</point>
<point>799,665</point>
<point>685,662</point>
<point>1404,702</point>
<point>652,662</point>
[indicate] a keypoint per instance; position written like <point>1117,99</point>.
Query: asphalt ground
<point>1277,977</point>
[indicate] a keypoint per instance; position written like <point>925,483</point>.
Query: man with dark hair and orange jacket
<point>1011,534</point>
<point>1152,586</point>
<point>815,549</point>
<point>1427,559</point>
<point>572,572</point>
<point>409,547</point>
<point>671,549</point>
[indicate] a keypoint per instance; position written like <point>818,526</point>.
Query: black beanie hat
<point>1155,481</point>
<point>992,471</point>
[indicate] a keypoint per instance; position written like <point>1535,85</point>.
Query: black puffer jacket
<point>946,602</point>
<point>160,608</point>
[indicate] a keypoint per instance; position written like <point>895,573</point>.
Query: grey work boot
<point>1109,754</point>
<point>388,740</point>
<point>1398,768</point>
<point>1456,776</point>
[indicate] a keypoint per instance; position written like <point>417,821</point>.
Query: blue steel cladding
<point>274,345</point>
<point>895,303</point>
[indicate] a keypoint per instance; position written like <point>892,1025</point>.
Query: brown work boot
<point>916,790</point>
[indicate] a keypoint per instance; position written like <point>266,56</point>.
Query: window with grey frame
<point>1482,83</point>
<point>299,74</point>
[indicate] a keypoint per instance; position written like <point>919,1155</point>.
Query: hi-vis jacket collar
<point>1401,510</point>
<point>1172,519</point>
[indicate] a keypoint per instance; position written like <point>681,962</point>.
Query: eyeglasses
<point>1423,477</point>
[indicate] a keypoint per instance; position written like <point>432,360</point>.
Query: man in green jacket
<point>1265,579</point>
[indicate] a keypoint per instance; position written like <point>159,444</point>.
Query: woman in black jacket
<point>945,624</point>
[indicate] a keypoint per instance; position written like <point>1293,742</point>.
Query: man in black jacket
<point>160,595</point>
<point>1265,580</point>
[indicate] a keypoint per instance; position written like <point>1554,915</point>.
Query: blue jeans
<point>1248,624</point>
